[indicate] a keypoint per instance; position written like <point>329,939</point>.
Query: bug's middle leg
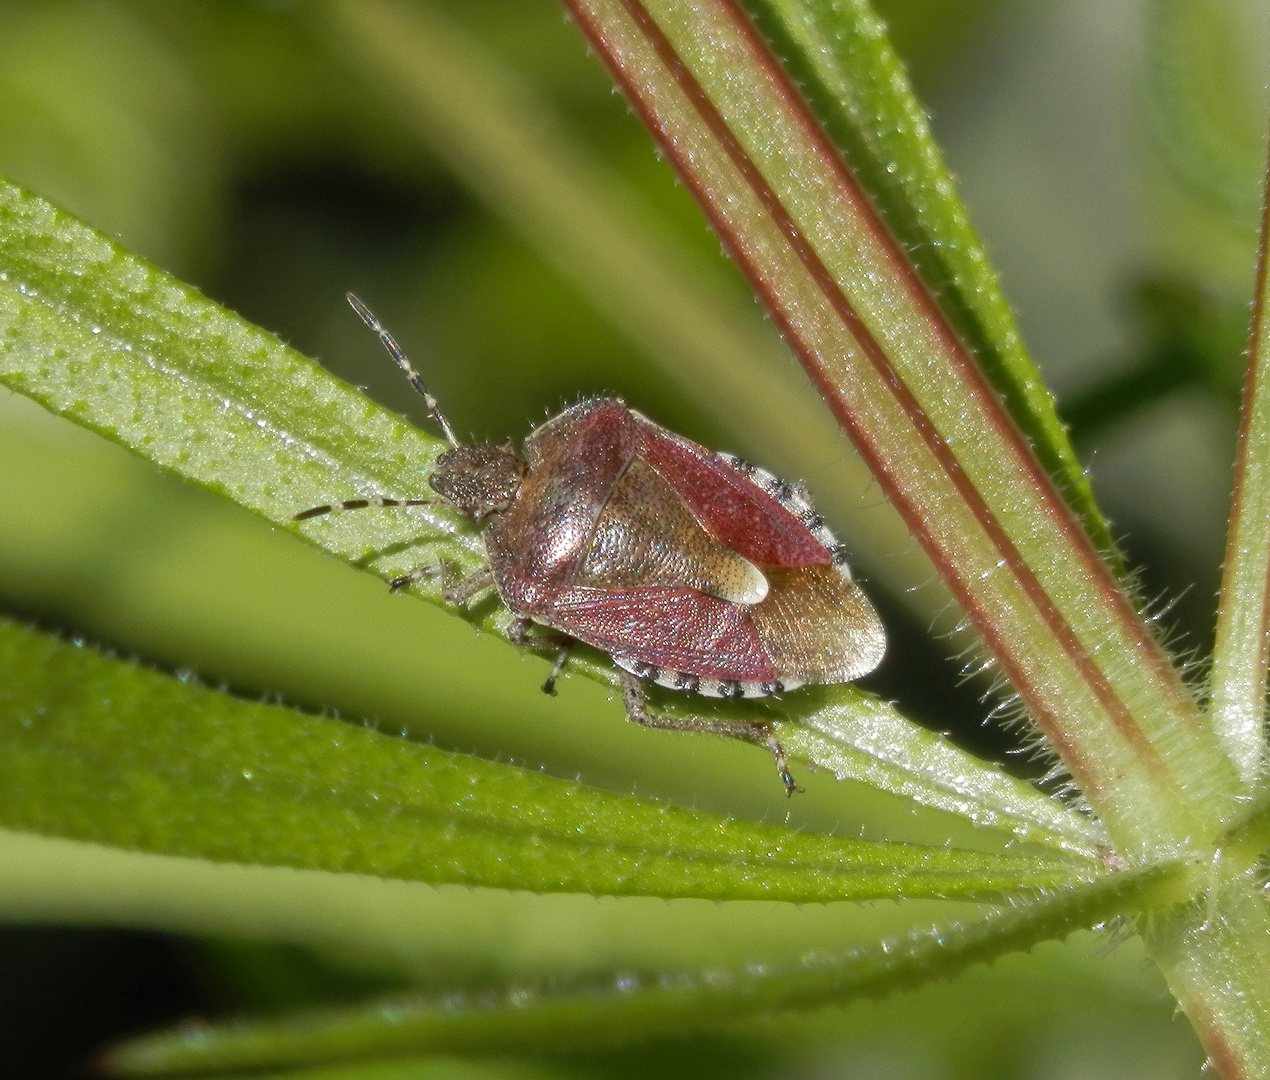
<point>518,633</point>
<point>562,658</point>
<point>755,731</point>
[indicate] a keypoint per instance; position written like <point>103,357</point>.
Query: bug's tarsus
<point>357,504</point>
<point>782,763</point>
<point>562,658</point>
<point>518,634</point>
<point>404,581</point>
<point>457,590</point>
<point>398,354</point>
<point>758,731</point>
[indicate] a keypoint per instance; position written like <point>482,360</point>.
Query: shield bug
<point>692,569</point>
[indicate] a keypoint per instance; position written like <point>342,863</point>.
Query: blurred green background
<point>1111,153</point>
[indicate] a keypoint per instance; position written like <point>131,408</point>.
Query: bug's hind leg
<point>518,633</point>
<point>456,590</point>
<point>755,731</point>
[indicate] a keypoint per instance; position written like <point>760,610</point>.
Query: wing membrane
<point>817,623</point>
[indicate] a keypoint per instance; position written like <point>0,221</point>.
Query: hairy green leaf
<point>628,1006</point>
<point>859,737</point>
<point>100,749</point>
<point>1215,951</point>
<point>1215,954</point>
<point>434,1068</point>
<point>1200,84</point>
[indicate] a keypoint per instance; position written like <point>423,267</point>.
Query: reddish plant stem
<point>1241,661</point>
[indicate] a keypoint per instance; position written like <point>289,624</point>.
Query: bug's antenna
<point>395,351</point>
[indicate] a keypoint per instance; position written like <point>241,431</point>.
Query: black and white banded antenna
<point>416,380</point>
<point>398,354</point>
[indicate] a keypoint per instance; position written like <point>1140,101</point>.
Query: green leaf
<point>100,749</point>
<point>116,345</point>
<point>629,1006</point>
<point>859,737</point>
<point>1215,950</point>
<point>839,53</point>
<point>1204,103</point>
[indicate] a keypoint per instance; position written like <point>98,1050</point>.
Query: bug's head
<point>479,480</point>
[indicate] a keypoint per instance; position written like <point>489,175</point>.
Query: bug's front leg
<point>755,731</point>
<point>457,590</point>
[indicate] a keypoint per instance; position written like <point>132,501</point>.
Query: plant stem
<point>1242,650</point>
<point>1215,954</point>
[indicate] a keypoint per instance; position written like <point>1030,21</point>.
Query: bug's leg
<point>417,574</point>
<point>518,634</point>
<point>457,591</point>
<point>758,731</point>
<point>461,591</point>
<point>562,658</point>
<point>782,763</point>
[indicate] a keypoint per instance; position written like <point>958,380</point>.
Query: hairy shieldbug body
<point>691,569</point>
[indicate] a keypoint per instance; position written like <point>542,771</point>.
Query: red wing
<point>728,505</point>
<point>675,628</point>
